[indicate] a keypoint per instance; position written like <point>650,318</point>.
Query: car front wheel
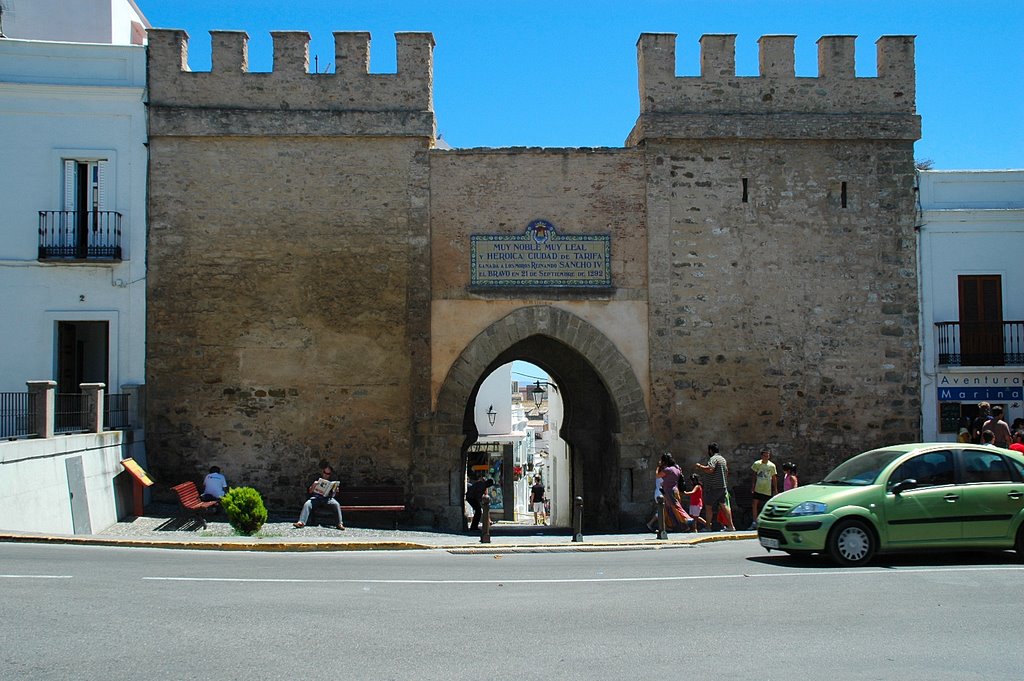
<point>851,543</point>
<point>1018,545</point>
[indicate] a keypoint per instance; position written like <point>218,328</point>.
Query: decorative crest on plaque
<point>541,231</point>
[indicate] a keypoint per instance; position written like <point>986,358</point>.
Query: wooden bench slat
<point>188,497</point>
<point>388,498</point>
<point>372,508</point>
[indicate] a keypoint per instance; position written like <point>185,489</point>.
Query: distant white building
<point>505,444</point>
<point>557,473</point>
<point>72,251</point>
<point>972,296</point>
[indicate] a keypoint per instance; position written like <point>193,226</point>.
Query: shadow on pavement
<point>895,560</point>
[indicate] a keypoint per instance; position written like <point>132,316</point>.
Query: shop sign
<point>975,394</point>
<point>980,387</point>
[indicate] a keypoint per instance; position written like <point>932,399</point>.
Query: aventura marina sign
<point>541,257</point>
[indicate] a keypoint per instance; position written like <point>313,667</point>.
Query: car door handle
<point>1015,496</point>
<point>952,498</point>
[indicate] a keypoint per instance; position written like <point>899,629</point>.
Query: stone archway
<point>605,422</point>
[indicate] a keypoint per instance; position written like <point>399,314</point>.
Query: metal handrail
<point>997,343</point>
<point>18,414</point>
<point>79,235</point>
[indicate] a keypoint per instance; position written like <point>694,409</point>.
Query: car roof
<point>926,446</point>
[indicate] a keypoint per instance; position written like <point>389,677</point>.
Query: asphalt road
<point>715,611</point>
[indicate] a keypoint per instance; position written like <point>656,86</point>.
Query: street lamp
<point>491,414</point>
<point>538,393</point>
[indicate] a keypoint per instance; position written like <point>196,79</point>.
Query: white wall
<point>59,100</point>
<point>558,487</point>
<point>496,392</point>
<point>34,494</point>
<point>79,21</point>
<point>972,222</point>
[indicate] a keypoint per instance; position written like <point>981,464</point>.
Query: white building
<point>72,258</point>
<point>555,461</point>
<point>72,252</point>
<point>504,446</point>
<point>972,296</point>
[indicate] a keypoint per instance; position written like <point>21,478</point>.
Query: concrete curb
<point>231,544</point>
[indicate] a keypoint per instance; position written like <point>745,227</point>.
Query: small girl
<point>789,479</point>
<point>696,495</point>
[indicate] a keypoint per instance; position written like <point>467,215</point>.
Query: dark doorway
<point>82,355</point>
<point>981,320</point>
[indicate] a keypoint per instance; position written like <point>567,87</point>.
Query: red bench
<point>191,504</point>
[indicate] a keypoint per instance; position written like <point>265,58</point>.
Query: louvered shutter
<point>101,183</point>
<point>69,184</point>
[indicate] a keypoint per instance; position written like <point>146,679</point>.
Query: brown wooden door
<point>981,320</point>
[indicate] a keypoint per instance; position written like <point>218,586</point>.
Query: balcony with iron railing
<point>79,235</point>
<point>980,344</point>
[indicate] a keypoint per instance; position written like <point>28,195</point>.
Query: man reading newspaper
<point>321,492</point>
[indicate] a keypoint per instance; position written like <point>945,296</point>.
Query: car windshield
<point>862,469</point>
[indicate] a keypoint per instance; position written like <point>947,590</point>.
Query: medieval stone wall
<point>580,191</point>
<point>286,274</point>
<point>309,272</point>
<point>786,319</point>
<point>782,251</point>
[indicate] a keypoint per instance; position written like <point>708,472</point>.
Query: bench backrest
<point>187,493</point>
<point>392,495</point>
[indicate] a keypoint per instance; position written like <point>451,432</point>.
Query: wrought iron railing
<point>17,415</point>
<point>115,412</point>
<point>69,413</point>
<point>18,418</point>
<point>79,235</point>
<point>976,344</point>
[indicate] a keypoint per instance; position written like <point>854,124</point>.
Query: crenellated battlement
<point>351,100</point>
<point>676,106</point>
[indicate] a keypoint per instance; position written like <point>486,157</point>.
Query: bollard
<point>662,533</point>
<point>485,528</point>
<point>577,520</point>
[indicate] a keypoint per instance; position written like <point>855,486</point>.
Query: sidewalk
<point>160,528</point>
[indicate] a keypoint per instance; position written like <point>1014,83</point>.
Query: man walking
<point>540,517</point>
<point>765,484</point>
<point>716,492</point>
<point>474,495</point>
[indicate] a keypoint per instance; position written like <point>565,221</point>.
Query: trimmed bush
<point>245,509</point>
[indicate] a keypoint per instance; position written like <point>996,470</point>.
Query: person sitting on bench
<point>317,499</point>
<point>214,485</point>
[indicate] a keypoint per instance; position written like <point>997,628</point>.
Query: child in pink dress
<point>789,479</point>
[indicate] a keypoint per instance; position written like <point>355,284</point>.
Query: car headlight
<point>809,508</point>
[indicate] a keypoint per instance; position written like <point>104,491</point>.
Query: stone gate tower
<point>314,291</point>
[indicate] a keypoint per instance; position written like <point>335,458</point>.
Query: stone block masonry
<point>284,242</point>
<point>310,294</point>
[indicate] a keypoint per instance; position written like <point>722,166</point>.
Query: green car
<point>938,495</point>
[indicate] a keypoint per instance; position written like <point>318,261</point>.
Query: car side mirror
<point>903,486</point>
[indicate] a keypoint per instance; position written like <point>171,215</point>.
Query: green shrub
<point>245,509</point>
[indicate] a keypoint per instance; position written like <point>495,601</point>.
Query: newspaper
<point>326,488</point>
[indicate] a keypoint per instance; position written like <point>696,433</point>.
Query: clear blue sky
<point>563,74</point>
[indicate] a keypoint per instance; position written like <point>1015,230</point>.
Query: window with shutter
<point>84,227</point>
